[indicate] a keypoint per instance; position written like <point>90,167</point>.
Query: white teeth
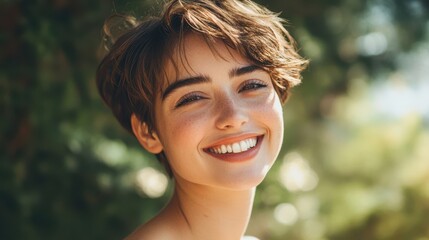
<point>223,147</point>
<point>244,146</point>
<point>236,147</point>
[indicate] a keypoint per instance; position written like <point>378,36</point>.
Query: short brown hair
<point>131,74</point>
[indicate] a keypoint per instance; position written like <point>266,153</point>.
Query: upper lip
<point>232,139</point>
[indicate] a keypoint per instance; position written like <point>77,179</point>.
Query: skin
<point>221,99</point>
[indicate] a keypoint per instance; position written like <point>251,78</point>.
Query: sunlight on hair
<point>286,213</point>
<point>151,182</point>
<point>296,174</point>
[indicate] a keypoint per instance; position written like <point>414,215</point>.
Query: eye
<point>252,85</point>
<point>188,99</point>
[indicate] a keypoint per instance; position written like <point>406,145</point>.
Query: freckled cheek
<point>273,117</point>
<point>188,126</point>
<point>270,112</point>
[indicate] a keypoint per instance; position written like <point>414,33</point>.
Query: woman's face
<point>218,119</point>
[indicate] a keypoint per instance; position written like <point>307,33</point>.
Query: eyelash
<point>252,85</point>
<point>188,98</point>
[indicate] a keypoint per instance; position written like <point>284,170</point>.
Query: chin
<point>241,182</point>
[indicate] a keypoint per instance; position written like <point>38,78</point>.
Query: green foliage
<point>68,171</point>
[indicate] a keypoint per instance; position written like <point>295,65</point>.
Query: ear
<point>149,141</point>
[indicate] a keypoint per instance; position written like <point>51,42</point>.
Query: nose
<point>230,113</point>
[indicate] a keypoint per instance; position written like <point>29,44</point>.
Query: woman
<point>201,87</point>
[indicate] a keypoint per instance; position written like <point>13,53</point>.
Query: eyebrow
<point>236,72</point>
<point>184,82</point>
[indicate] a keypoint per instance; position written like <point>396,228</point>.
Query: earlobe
<point>149,141</point>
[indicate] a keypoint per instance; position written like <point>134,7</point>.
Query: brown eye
<point>252,85</point>
<point>188,99</point>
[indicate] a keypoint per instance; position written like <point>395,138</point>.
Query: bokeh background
<point>355,160</point>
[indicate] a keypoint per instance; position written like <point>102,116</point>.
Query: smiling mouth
<point>235,147</point>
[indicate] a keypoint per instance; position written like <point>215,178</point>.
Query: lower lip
<point>241,156</point>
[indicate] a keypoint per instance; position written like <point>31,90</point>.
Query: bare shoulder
<point>164,226</point>
<point>152,230</point>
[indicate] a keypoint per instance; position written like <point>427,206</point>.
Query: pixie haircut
<point>132,73</point>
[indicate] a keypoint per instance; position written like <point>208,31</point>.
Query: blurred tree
<point>53,184</point>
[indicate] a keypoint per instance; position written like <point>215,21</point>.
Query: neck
<point>211,213</point>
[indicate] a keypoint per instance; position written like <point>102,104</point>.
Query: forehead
<point>195,54</point>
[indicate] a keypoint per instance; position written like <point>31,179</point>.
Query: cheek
<point>271,114</point>
<point>277,121</point>
<point>185,128</point>
<point>181,138</point>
